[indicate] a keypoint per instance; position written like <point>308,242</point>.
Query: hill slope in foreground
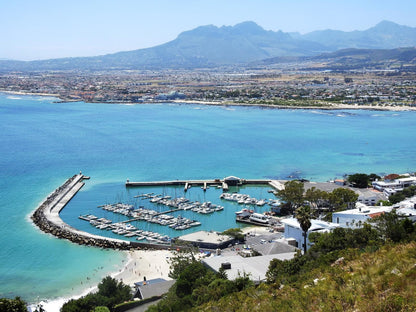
<point>381,281</point>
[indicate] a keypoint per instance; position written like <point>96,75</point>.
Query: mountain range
<point>211,46</point>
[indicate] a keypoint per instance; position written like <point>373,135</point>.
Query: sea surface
<point>43,143</point>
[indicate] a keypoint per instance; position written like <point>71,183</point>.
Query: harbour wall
<point>46,217</point>
<point>224,183</point>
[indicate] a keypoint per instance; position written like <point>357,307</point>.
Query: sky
<point>42,29</point>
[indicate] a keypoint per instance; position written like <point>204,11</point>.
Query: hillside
<point>347,59</point>
<point>380,281</point>
<point>385,35</point>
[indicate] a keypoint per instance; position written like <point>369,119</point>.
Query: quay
<point>223,183</point>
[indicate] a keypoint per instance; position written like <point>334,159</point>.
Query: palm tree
<point>303,215</point>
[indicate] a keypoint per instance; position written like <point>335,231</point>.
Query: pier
<point>223,183</point>
<point>174,182</point>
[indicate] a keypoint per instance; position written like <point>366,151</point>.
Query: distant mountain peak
<point>209,45</point>
<point>248,27</point>
<point>387,26</point>
<point>385,23</point>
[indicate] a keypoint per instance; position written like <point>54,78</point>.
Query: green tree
<point>344,238</point>
<point>284,271</point>
<point>101,309</point>
<point>292,194</point>
<point>243,282</point>
<point>190,278</point>
<point>303,215</point>
<point>179,262</point>
<point>342,198</point>
<point>236,233</point>
<point>110,292</point>
<point>391,227</point>
<point>402,195</point>
<point>12,305</point>
<point>116,291</point>
<point>222,274</point>
<point>316,198</point>
<point>373,177</point>
<point>360,180</point>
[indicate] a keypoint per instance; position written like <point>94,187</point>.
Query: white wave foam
<point>55,305</point>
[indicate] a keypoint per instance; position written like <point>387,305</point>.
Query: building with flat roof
<point>235,266</point>
<point>209,240</point>
<point>293,230</point>
<point>353,218</point>
<point>392,186</point>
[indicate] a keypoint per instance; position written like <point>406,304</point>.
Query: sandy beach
<point>333,106</point>
<point>145,263</point>
<point>139,264</point>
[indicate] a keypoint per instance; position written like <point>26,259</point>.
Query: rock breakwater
<point>46,217</point>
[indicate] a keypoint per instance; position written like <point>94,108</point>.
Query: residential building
<point>293,230</point>
<point>353,218</point>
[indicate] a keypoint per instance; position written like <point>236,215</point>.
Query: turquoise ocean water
<point>43,143</point>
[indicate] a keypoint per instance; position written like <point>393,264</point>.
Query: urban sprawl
<point>260,86</point>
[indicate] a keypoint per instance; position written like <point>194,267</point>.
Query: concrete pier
<point>278,185</point>
<point>224,183</point>
<point>173,182</point>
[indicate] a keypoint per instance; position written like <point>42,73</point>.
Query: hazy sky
<point>40,29</point>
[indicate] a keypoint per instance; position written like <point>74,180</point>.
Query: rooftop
<point>151,288</point>
<point>256,267</point>
<point>316,225</point>
<point>206,239</point>
<point>365,210</point>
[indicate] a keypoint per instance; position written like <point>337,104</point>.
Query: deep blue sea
<point>43,143</point>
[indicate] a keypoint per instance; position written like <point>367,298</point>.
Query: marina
<point>166,206</point>
<point>137,219</point>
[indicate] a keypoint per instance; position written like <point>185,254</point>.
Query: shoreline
<point>151,264</point>
<point>392,108</point>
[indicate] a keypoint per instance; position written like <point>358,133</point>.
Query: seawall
<point>46,217</point>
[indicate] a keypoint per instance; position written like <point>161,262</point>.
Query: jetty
<point>224,183</point>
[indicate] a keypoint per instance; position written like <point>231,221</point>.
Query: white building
<point>369,197</point>
<point>353,218</point>
<point>391,187</point>
<point>293,230</point>
<point>407,208</point>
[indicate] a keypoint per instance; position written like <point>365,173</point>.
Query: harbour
<point>47,217</point>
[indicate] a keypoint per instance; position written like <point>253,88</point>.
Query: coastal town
<point>276,87</point>
<point>271,235</point>
<point>169,156</point>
